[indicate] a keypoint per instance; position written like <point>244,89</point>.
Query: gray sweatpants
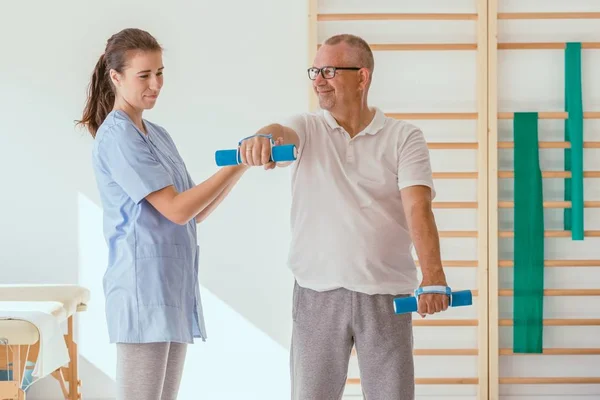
<point>325,327</point>
<point>149,371</point>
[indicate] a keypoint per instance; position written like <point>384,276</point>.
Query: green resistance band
<point>573,217</point>
<point>529,237</point>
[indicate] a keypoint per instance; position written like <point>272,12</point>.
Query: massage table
<point>36,328</point>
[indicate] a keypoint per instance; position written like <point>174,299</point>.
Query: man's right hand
<point>256,151</point>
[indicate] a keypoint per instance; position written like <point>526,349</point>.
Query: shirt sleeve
<point>175,152</point>
<point>192,183</point>
<point>129,161</point>
<point>414,164</point>
<point>298,123</point>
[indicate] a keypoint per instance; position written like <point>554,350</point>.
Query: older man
<point>362,192</point>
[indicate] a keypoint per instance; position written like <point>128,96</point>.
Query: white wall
<point>232,67</point>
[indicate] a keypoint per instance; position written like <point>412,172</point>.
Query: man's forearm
<point>426,241</point>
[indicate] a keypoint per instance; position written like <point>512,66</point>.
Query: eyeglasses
<point>326,72</point>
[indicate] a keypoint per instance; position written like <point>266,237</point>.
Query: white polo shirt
<point>348,224</point>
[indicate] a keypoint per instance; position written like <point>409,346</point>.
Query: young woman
<point>151,208</point>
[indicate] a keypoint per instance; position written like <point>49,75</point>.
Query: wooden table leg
<point>73,369</point>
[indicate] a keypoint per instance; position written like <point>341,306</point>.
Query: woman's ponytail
<point>100,99</point>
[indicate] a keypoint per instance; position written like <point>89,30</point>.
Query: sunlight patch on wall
<point>238,361</point>
<point>93,254</point>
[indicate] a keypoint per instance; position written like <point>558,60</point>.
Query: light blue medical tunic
<point>151,281</point>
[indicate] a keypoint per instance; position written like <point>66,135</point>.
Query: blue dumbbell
<point>403,305</point>
<point>285,152</point>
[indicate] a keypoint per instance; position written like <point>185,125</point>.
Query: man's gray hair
<point>364,55</point>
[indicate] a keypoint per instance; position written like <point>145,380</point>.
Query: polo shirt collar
<point>375,126</point>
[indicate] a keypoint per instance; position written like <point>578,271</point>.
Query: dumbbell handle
<point>403,305</point>
<point>282,153</point>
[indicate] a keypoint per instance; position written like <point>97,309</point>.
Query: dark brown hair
<point>101,92</point>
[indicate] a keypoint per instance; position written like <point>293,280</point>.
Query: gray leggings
<point>149,371</point>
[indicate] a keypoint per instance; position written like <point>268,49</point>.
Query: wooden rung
<point>423,46</point>
<point>446,352</point>
<point>446,381</point>
<point>456,263</point>
<point>552,204</point>
<point>433,116</point>
<point>444,322</point>
<point>551,115</point>
<point>430,381</point>
<point>552,234</point>
<point>553,174</point>
<point>554,352</point>
<point>455,204</point>
<point>458,234</point>
<point>505,145</point>
<point>452,146</point>
<point>551,145</point>
<point>544,46</point>
<point>396,17</point>
<point>557,263</point>
<point>473,116</point>
<point>557,292</point>
<point>557,380</point>
<point>550,15</point>
<point>440,352</point>
<point>558,322</point>
<point>455,175</point>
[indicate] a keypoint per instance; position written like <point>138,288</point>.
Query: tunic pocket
<point>159,274</point>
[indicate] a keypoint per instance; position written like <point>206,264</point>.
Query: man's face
<point>345,87</point>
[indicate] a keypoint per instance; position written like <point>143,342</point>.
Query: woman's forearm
<point>213,205</point>
<point>182,207</point>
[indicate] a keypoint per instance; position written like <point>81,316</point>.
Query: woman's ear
<point>115,77</point>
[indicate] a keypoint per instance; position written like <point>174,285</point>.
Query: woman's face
<point>141,81</point>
